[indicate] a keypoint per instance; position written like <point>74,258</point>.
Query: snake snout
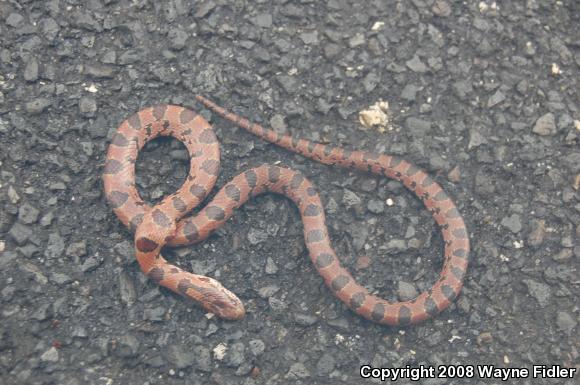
<point>231,312</point>
<point>223,302</point>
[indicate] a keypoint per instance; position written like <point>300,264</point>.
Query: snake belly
<point>167,222</point>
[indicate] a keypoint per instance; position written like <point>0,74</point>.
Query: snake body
<point>167,222</point>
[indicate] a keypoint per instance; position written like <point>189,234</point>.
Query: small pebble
<point>28,214</point>
<point>546,125</point>
<point>37,106</point>
<point>88,106</point>
<point>51,355</point>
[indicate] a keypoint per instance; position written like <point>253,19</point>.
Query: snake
<point>169,222</point>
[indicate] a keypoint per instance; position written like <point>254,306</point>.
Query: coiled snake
<point>167,224</point>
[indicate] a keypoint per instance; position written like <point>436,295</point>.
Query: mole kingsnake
<point>167,224</point>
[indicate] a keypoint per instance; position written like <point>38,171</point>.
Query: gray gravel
<point>485,98</point>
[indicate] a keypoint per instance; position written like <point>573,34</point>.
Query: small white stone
<point>375,116</point>
<point>92,89</point>
<point>377,25</point>
<point>51,355</point>
<point>453,338</point>
<point>13,195</point>
<point>219,352</point>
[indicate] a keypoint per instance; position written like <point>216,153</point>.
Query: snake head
<point>213,297</point>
